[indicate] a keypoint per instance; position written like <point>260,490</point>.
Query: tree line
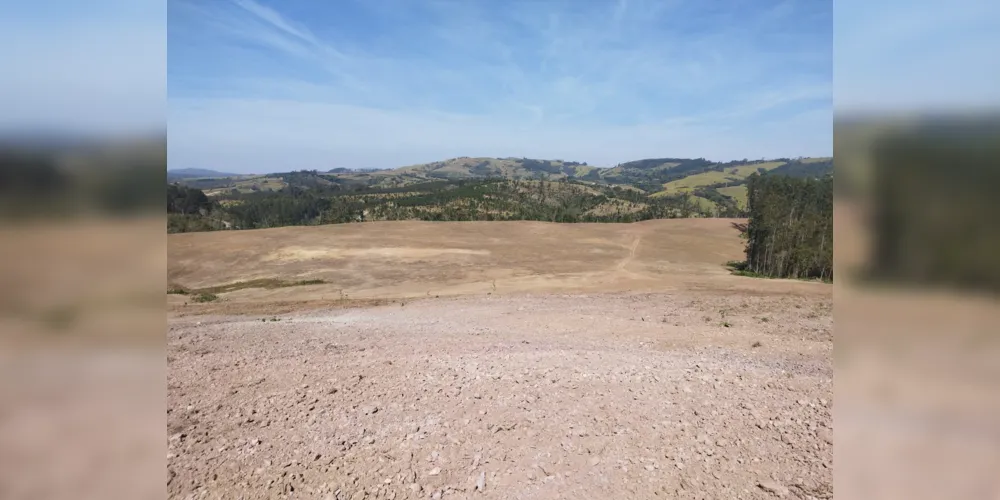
<point>790,231</point>
<point>460,200</point>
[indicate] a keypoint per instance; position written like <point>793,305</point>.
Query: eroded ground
<point>694,395</point>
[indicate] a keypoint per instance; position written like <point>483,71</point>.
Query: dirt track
<point>719,387</point>
<point>425,259</point>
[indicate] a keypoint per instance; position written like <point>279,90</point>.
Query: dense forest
<point>790,231</point>
<point>934,205</point>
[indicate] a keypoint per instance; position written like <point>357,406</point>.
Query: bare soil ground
<point>607,361</point>
<point>395,260</point>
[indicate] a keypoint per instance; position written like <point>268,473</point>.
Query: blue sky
<point>419,80</point>
<point>263,86</point>
<point>897,57</point>
<point>95,67</point>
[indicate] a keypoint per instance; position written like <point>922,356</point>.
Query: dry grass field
<point>494,360</point>
<point>396,260</point>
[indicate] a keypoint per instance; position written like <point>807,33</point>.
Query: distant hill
<point>196,173</point>
<point>481,188</point>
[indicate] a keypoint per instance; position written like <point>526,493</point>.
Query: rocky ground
<point>670,395</point>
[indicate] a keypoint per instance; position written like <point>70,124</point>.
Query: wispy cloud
<point>388,83</point>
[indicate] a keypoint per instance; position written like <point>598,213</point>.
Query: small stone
<point>825,435</point>
<point>481,482</point>
<point>414,487</point>
<point>435,471</point>
<point>722,443</point>
<point>436,495</point>
<point>650,467</point>
<point>773,488</point>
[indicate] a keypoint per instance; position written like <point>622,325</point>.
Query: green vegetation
<point>790,232</point>
<point>737,193</point>
<point>482,200</point>
<point>461,189</point>
<point>67,177</point>
<point>934,204</point>
<point>205,297</point>
<point>266,283</point>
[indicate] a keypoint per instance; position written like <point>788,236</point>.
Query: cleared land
<point>505,360</point>
<point>394,260</point>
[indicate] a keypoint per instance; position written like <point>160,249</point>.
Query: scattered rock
<point>673,442</point>
<point>773,488</point>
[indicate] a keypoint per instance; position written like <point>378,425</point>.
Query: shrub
<point>205,297</point>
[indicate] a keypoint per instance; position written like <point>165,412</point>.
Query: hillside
<point>195,173</point>
<point>442,200</point>
<point>488,189</point>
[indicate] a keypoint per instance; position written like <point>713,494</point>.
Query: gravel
<point>547,396</point>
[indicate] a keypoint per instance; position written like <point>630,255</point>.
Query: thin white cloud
<point>598,83</point>
<point>332,135</point>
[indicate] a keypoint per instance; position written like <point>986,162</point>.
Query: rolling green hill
<point>468,188</point>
